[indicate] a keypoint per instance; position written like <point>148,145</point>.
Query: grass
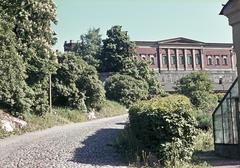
<point>61,116</point>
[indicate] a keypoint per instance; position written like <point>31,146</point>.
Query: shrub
<point>163,124</point>
<point>197,86</point>
<point>203,141</point>
<point>76,84</point>
<point>125,89</point>
<point>204,121</point>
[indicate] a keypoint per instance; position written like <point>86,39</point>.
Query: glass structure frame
<point>226,118</point>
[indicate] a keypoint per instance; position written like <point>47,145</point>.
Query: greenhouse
<point>226,124</point>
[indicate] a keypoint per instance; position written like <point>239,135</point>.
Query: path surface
<point>86,145</point>
<point>218,162</point>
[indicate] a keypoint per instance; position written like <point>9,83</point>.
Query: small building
<point>226,122</point>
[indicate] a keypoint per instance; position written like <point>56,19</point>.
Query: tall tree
<point>14,92</point>
<point>117,50</point>
<point>32,20</point>
<point>89,47</point>
<point>141,70</point>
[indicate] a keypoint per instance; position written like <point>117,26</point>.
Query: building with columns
<point>174,58</point>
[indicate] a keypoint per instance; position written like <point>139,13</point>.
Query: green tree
<point>76,84</point>
<point>197,86</point>
<point>126,89</point>
<point>141,70</point>
<point>32,20</point>
<point>14,92</point>
<point>89,47</point>
<point>117,50</point>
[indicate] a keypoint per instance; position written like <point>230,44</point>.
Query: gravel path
<point>84,145</point>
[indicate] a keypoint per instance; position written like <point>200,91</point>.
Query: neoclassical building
<point>174,58</point>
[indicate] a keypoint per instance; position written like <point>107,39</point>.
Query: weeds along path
<point>76,145</point>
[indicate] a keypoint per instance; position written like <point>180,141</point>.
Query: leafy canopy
<point>89,47</point>
<point>76,84</point>
<point>197,86</point>
<point>14,92</point>
<point>32,20</point>
<point>117,50</point>
<point>125,89</point>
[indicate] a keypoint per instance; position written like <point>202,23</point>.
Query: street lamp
<point>55,60</point>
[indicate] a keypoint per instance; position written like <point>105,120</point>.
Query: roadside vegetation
<point>61,116</point>
<point>171,130</point>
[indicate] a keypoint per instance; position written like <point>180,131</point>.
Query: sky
<point>145,20</point>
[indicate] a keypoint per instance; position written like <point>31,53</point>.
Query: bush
<point>164,126</point>
<point>197,86</point>
<point>203,141</point>
<point>76,84</point>
<point>204,121</point>
<point>125,89</point>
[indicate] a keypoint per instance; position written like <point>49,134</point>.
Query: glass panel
<point>225,118</point>
<point>218,126</point>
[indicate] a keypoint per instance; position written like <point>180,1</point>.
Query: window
<point>181,59</point>
<point>165,60</point>
<point>210,60</point>
<point>173,60</point>
<point>198,59</point>
<point>225,61</point>
<point>152,60</point>
<point>190,59</point>
<point>217,60</point>
<point>143,56</point>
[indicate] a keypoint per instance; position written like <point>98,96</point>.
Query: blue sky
<point>143,19</point>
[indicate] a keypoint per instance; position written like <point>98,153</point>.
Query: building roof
<point>179,40</point>
<point>182,41</point>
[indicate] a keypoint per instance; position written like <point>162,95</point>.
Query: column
<point>160,59</point>
<point>194,59</point>
<point>177,58</point>
<point>202,59</point>
<point>185,59</point>
<point>169,59</point>
<point>232,60</point>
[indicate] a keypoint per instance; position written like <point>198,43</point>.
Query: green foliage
<point>110,108</point>
<point>89,47</point>
<point>14,92</point>
<point>141,70</point>
<point>197,86</point>
<point>203,141</point>
<point>32,22</point>
<point>76,84</point>
<point>204,120</point>
<point>117,50</point>
<point>164,124</point>
<point>125,89</point>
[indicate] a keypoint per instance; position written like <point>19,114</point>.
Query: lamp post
<point>55,60</point>
<point>50,93</point>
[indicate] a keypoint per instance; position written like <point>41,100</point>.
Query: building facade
<point>174,58</point>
